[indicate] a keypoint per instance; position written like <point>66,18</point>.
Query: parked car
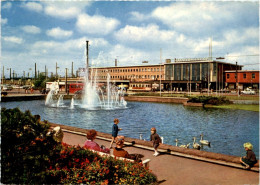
<point>248,91</point>
<point>7,88</point>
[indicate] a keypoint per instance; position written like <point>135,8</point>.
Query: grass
<point>238,106</point>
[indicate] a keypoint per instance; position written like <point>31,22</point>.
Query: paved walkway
<point>174,170</point>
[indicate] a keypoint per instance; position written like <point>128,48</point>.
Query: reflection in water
<point>227,130</point>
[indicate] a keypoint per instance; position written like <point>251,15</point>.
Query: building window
<point>227,76</point>
<point>253,75</point>
<point>244,75</point>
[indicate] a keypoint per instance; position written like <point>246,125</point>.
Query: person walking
<point>155,138</point>
<point>115,130</point>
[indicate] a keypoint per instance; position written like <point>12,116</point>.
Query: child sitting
<point>250,159</point>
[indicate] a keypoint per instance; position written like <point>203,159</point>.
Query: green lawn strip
<point>238,106</point>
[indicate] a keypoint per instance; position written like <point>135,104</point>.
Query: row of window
<point>132,70</point>
<point>244,76</point>
<point>140,85</point>
<point>132,76</point>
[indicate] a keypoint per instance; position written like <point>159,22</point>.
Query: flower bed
<point>29,156</point>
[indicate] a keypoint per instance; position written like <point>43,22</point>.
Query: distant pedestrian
<point>115,130</point>
<point>250,159</point>
<point>155,138</point>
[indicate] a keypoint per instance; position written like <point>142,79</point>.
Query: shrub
<point>78,165</point>
<point>29,156</point>
<point>26,150</point>
<point>209,100</point>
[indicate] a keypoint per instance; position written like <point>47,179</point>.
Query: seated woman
<point>120,152</point>
<point>90,144</point>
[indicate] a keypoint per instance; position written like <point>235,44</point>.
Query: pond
<point>226,129</point>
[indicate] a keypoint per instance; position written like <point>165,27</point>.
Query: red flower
<point>87,161</point>
<point>71,152</point>
<point>76,160</point>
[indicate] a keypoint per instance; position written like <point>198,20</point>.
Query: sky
<point>46,32</point>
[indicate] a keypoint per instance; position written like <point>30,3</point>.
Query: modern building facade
<point>197,74</point>
<point>179,75</point>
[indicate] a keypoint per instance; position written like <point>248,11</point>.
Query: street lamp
<point>160,72</point>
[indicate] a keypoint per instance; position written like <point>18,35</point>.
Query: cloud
<point>65,10</point>
<point>4,21</point>
<point>68,47</point>
<point>206,17</point>
<point>139,17</point>
<point>33,6</point>
<point>96,24</point>
<point>31,29</point>
<point>127,56</point>
<point>150,33</point>
<point>6,5</point>
<point>13,39</point>
<point>59,33</point>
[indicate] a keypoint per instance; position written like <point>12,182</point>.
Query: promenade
<point>175,170</point>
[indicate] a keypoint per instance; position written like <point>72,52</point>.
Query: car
<point>248,91</point>
<point>7,88</point>
<point>26,87</point>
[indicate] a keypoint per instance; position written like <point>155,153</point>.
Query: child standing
<point>115,130</point>
<point>155,138</point>
<point>250,159</point>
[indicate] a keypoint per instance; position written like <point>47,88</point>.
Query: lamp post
<point>160,71</point>
<point>57,70</point>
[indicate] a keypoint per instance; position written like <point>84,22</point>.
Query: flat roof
<point>150,65</point>
<point>201,61</point>
<point>241,71</point>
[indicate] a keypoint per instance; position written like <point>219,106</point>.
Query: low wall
<point>156,99</point>
<point>193,104</point>
<point>222,159</point>
<point>22,98</point>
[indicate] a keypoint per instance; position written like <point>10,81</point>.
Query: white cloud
<point>37,7</point>
<point>31,29</point>
<point>6,5</point>
<point>139,17</point>
<point>96,24</point>
<point>246,36</point>
<point>13,39</point>
<point>59,33</point>
<point>65,10</point>
<point>4,21</point>
<point>205,17</point>
<point>62,13</point>
<point>150,33</point>
<point>128,56</point>
<point>66,48</point>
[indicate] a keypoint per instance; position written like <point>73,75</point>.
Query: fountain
<point>93,96</point>
<point>72,103</point>
<point>50,96</point>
